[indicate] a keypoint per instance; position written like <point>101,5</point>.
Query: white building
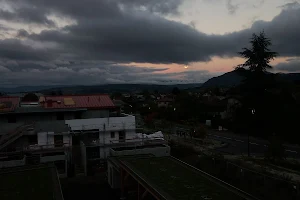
<point>61,129</point>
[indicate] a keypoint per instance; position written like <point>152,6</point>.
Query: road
<point>238,144</point>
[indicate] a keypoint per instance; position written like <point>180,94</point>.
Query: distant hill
<point>21,89</point>
<point>233,78</point>
<point>108,88</point>
<point>228,79</point>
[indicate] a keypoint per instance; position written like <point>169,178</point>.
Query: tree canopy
<point>259,55</point>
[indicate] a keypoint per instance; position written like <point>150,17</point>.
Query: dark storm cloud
<point>14,49</point>
<point>26,15</point>
<point>139,37</point>
<point>284,31</point>
<point>104,31</point>
<point>121,31</point>
<point>22,33</point>
<point>292,65</point>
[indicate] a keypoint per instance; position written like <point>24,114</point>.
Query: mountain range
<point>108,88</point>
<point>227,80</point>
<point>234,78</point>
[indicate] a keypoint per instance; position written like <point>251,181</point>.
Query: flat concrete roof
<point>30,182</point>
<point>170,178</point>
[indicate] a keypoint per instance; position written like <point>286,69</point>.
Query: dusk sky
<point>65,42</point>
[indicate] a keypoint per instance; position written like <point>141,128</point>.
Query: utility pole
<point>248,145</point>
<point>252,120</point>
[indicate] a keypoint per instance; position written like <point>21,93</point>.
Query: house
<point>164,102</point>
<point>73,131</point>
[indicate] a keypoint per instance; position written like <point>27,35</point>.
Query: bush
<point>276,149</point>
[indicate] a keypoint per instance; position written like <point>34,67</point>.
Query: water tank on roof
<point>30,97</point>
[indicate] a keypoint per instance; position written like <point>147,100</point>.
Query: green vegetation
<point>33,184</point>
<point>178,180</point>
<point>276,150</point>
<point>259,56</point>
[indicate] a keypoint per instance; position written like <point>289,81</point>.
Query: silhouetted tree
<point>275,149</point>
<point>259,55</point>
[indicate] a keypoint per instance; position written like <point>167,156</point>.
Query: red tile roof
<point>80,101</point>
<point>10,103</point>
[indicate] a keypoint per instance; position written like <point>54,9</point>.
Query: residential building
<point>61,129</point>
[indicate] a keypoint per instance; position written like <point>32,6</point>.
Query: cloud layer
<point>109,32</point>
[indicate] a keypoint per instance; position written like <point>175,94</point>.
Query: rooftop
<point>80,101</point>
<point>8,104</point>
<point>38,182</point>
<point>55,103</point>
<point>173,179</point>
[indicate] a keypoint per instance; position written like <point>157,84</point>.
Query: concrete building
<point>67,130</point>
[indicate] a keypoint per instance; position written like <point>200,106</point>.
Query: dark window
<point>32,139</point>
<point>112,134</point>
<point>122,136</point>
<point>77,115</point>
<point>58,140</point>
<point>92,152</point>
<point>94,134</point>
<point>11,119</point>
<point>60,116</point>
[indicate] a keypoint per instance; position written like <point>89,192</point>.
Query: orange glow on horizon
<point>217,64</point>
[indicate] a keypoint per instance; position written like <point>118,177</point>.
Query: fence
<point>259,184</point>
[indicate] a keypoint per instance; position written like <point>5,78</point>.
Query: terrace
<point>38,182</point>
<point>169,178</point>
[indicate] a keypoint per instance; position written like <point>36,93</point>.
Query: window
<point>32,139</point>
<point>58,140</point>
<point>122,136</point>
<point>60,116</point>
<point>112,134</point>
<point>11,119</point>
<point>94,135</point>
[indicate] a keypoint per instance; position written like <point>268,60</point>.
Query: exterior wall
<point>51,116</point>
<point>67,139</point>
<point>19,143</point>
<point>8,127</point>
<point>46,139</point>
<point>106,126</point>
<point>95,114</point>
<point>104,152</point>
<point>105,137</point>
<point>113,176</point>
